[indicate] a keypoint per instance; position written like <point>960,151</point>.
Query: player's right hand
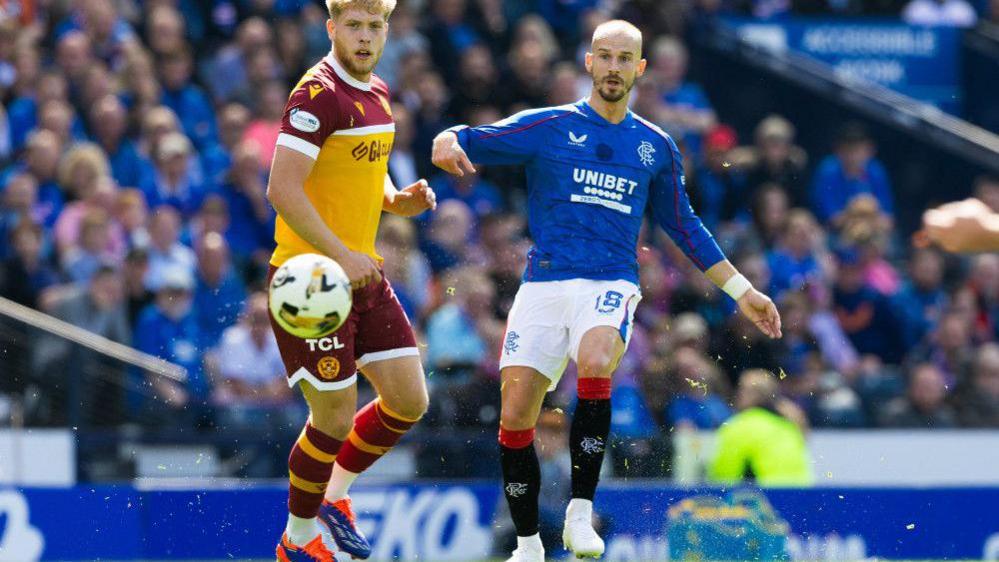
<point>361,269</point>
<point>448,155</point>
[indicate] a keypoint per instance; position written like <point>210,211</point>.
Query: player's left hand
<point>411,200</point>
<point>761,311</point>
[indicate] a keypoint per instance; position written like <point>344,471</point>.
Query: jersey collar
<point>588,110</point>
<point>344,75</point>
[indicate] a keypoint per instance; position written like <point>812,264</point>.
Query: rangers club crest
<point>516,489</point>
<point>511,345</point>
<point>592,445</point>
<point>645,152</point>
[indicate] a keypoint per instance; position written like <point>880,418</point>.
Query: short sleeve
<point>309,118</point>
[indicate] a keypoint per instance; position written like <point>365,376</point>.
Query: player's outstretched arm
<point>410,200</point>
<point>286,192</point>
<point>448,155</point>
<point>752,303</point>
<point>964,226</point>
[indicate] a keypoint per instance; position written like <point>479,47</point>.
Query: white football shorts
<point>548,320</point>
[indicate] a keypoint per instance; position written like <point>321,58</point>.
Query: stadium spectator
<point>449,235</point>
<point>107,30</point>
<point>131,212</point>
<point>73,56</point>
<point>700,389</point>
<point>271,97</point>
<point>186,99</point>
<point>134,273</point>
<point>169,329</point>
<point>402,166</point>
<point>983,284</point>
<point>765,441</point>
<point>922,300</point>
<point>775,159</point>
<point>685,111</point>
<point>250,371</point>
<point>799,258</point>
<point>477,193</point>
<point>404,265</point>
<point>109,122</point>
<point>165,250</point>
<point>865,315</point>
<point>26,273</point>
<point>174,181</point>
<point>477,84</point>
<point>231,60</point>
<point>98,307</point>
<point>233,119</point>
<point>404,39</point>
<point>458,331</point>
<point>717,189</point>
<point>22,112</point>
<point>219,292</point>
<point>90,252</point>
<point>165,29</point>
<point>770,213</point>
<point>41,160</point>
<point>864,227</point>
<point>850,171</point>
<point>84,173</point>
<point>19,202</point>
<point>977,401</point>
<point>528,63</point>
<point>449,34</point>
<point>251,218</point>
<point>925,404</point>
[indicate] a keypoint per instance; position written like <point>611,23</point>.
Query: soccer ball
<point>310,296</point>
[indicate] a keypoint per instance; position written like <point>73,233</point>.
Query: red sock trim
<point>593,388</point>
<point>516,439</point>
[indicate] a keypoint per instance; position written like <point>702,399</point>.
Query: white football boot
<point>578,536</point>
<point>529,549</point>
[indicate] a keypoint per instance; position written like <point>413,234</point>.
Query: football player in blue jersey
<point>593,168</point>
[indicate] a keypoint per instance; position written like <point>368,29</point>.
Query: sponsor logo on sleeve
<point>303,120</point>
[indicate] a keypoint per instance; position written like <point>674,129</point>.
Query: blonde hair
<point>82,154</point>
<point>384,7</point>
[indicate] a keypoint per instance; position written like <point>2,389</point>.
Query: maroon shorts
<point>376,329</point>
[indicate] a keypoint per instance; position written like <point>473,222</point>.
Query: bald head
<point>615,60</point>
<point>621,33</point>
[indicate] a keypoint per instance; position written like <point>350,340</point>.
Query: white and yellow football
<point>310,296</point>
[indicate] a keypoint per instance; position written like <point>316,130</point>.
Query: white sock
<point>300,530</point>
<point>579,509</point>
<point>340,481</point>
<point>532,542</point>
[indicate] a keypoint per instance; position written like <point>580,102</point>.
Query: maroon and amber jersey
<point>346,126</point>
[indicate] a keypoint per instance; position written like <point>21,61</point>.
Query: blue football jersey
<point>589,183</point>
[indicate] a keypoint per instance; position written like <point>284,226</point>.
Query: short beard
<point>625,90</point>
<point>348,63</point>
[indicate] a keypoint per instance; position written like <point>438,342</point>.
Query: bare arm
<point>965,226</point>
<point>410,200</point>
<point>286,192</point>
<point>754,305</point>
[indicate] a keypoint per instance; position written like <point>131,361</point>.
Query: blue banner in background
<point>454,522</point>
<point>920,62</point>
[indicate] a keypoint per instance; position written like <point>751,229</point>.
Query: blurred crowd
<point>135,146</point>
